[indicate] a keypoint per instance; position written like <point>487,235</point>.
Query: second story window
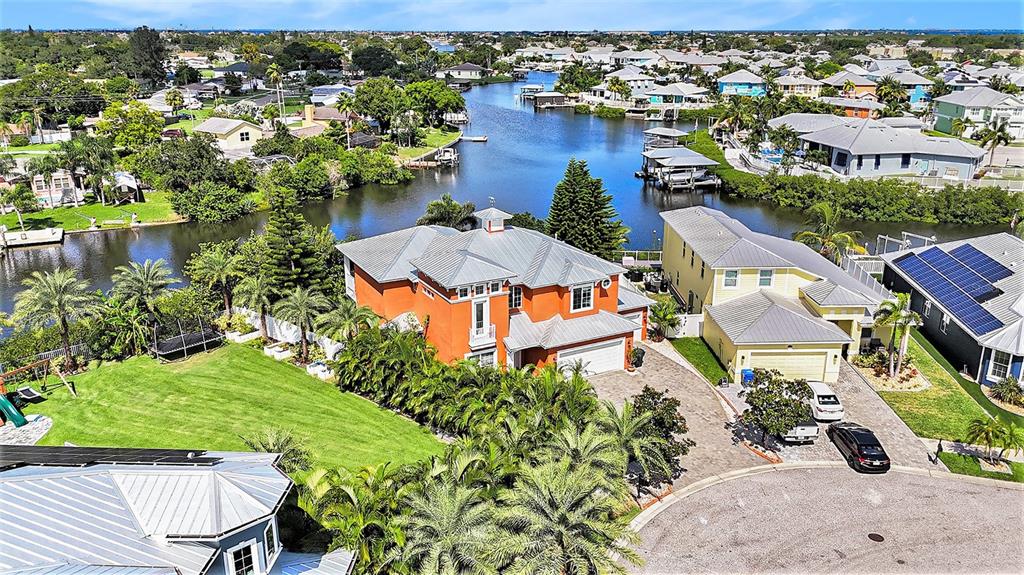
<point>764,278</point>
<point>701,270</point>
<point>582,298</point>
<point>732,278</point>
<point>463,292</point>
<point>515,297</point>
<point>243,136</point>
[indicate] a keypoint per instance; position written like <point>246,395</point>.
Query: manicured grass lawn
<point>965,465</point>
<point>186,125</point>
<point>30,148</point>
<point>156,208</point>
<point>435,138</point>
<point>210,400</point>
<point>944,410</point>
<point>700,356</point>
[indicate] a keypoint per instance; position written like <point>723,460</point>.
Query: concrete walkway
<point>967,449</point>
<point>716,450</point>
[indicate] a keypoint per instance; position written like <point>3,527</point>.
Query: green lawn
<point>186,125</point>
<point>30,148</point>
<point>942,411</point>
<point>700,356</point>
<point>157,208</point>
<point>210,400</point>
<point>966,465</point>
<point>435,138</point>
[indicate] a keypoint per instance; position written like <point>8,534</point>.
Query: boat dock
<point>474,138</point>
<point>30,238</point>
<point>678,168</point>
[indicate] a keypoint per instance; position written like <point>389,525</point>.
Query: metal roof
<point>839,79</point>
<point>764,317</point>
<point>492,213</point>
<point>741,77</point>
<point>337,562</point>
<point>130,515</point>
<point>665,131</point>
<point>560,332</point>
<point>866,137</point>
<point>222,125</point>
<point>678,156</point>
<point>386,257</point>
<point>803,123</point>
<point>630,298</point>
<point>980,97</point>
<point>66,568</point>
<point>828,293</point>
<point>451,269</point>
<point>796,80</point>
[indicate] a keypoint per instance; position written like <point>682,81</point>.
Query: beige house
<point>767,302</point>
<point>231,133</point>
<point>799,86</point>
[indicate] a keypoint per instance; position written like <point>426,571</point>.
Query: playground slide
<point>11,413</point>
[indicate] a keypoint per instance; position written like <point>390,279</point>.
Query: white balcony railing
<point>481,336</point>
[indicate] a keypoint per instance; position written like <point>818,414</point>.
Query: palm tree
<point>665,316</point>
<point>446,529</point>
<point>626,428</point>
<point>900,318</point>
<point>142,284</point>
<point>826,236</point>
<point>174,99</point>
<point>890,90</point>
<point>5,133</point>
<point>448,212</point>
<point>346,321</point>
<point>275,76</point>
<point>216,265</point>
<point>986,431</point>
<point>7,162</point>
<point>560,520</point>
<point>55,297</point>
<point>994,135</point>
<point>294,456</point>
<point>301,307</point>
<point>346,105</point>
<point>849,88</point>
<point>254,292</point>
<point>959,125</point>
<point>44,166</point>
<point>735,114</point>
<point>587,446</point>
<point>21,198</point>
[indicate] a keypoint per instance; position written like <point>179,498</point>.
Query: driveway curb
<point>654,510</point>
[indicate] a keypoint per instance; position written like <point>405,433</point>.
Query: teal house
<point>741,83</point>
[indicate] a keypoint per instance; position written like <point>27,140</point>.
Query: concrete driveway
<point>716,451</point>
<point>819,521</point>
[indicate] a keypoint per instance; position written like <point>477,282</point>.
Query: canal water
<point>518,166</point>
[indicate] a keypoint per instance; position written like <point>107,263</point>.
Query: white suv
<point>825,405</point>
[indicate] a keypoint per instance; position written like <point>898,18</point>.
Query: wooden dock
<point>30,238</point>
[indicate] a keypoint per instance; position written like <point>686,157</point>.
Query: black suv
<point>859,447</point>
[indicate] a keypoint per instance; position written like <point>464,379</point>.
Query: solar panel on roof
<point>18,455</point>
<point>981,263</point>
<point>948,295</point>
<point>965,278</point>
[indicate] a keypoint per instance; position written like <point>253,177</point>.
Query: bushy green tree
<point>147,52</point>
<point>292,259</point>
<point>132,125</point>
<point>432,99</point>
<point>380,99</point>
<point>210,201</point>
<point>582,214</point>
<point>776,405</point>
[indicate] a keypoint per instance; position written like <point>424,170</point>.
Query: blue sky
<point>513,14</point>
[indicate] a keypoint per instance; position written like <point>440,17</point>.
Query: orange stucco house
<point>499,294</point>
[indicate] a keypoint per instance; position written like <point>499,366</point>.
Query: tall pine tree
<point>292,259</point>
<point>582,214</point>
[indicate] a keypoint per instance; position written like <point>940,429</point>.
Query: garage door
<point>596,358</point>
<point>637,317</point>
<point>807,365</point>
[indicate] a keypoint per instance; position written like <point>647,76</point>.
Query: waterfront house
<point>642,58</point>
<point>764,301</point>
<point>869,148</point>
<point>842,80</point>
<point>145,511</point>
<point>799,85</point>
<point>676,94</point>
<point>231,133</point>
<point>970,299</point>
<point>805,123</point>
<point>980,106</point>
<point>633,77</point>
<point>866,106</point>
<point>741,83</point>
<point>465,71</point>
<point>499,294</point>
<point>60,190</point>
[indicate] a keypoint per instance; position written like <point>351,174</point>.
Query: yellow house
<point>231,133</point>
<point>766,302</point>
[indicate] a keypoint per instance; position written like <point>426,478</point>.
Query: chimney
<point>307,113</point>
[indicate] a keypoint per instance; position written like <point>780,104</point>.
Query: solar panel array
<point>987,267</point>
<point>949,295</point>
<point>964,277</point>
<point>18,455</point>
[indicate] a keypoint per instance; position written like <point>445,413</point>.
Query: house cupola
<point>492,219</point>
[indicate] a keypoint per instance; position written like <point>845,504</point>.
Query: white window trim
<point>271,554</point>
<point>992,363</point>
<point>460,295</point>
<point>927,308</point>
<point>572,297</point>
<point>944,323</point>
<point>725,279</point>
<point>771,278</point>
<point>514,293</point>
<point>490,350</point>
<point>229,564</point>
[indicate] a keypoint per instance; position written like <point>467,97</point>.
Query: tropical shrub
<point>19,141</point>
<point>582,108</point>
<point>1008,390</point>
<point>209,201</point>
<point>609,112</point>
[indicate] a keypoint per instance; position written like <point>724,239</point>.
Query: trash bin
<point>638,357</point>
<point>747,376</point>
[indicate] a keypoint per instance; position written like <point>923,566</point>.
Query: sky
<point>515,15</point>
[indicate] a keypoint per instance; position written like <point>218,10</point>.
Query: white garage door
<point>596,358</point>
<point>637,317</point>
<point>806,365</point>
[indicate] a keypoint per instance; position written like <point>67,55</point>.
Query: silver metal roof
<point>559,332</point>
<point>666,131</point>
<point>337,562</point>
<point>867,137</point>
<point>803,123</point>
<point>222,125</point>
<point>828,293</point>
<point>839,79</point>
<point>492,213</point>
<point>386,257</point>
<point>678,156</point>
<point>980,97</point>
<point>451,269</point>
<point>742,77</point>
<point>763,317</point>
<point>83,569</point>
<point>124,515</point>
<point>725,243</point>
<point>630,298</point>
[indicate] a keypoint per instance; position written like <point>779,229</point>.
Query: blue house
<point>147,511</point>
<point>970,300</point>
<point>918,87</point>
<point>741,83</point>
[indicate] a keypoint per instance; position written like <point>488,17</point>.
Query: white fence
<point>79,349</point>
<point>689,326</point>
<point>288,332</point>
<point>937,183</point>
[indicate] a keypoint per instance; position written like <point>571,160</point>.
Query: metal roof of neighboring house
<point>806,123</point>
<point>133,515</point>
<point>909,78</point>
<point>666,131</point>
<point>1008,306</point>
<point>873,137</point>
<point>630,298</point>
<point>676,89</point>
<point>855,69</point>
<point>903,122</point>
<point>466,67</point>
<point>830,294</point>
<point>723,242</point>
<point>979,97</point>
<point>560,332</point>
<point>629,73</point>
<point>492,213</point>
<point>65,568</point>
<point>223,125</point>
<point>337,562</point>
<point>741,77</point>
<point>839,79</point>
<point>796,81</point>
<point>764,317</point>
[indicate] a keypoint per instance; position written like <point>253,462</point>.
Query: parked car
<point>805,432</point>
<point>825,404</point>
<point>859,447</point>
<point>172,133</point>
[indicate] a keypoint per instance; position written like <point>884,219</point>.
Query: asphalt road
<point>819,521</point>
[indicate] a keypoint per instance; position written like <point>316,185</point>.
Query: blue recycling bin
<point>747,376</point>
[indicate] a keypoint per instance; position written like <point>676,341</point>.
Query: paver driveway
<point>818,521</point>
<point>716,450</point>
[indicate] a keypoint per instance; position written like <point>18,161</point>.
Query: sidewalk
<point>967,449</point>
